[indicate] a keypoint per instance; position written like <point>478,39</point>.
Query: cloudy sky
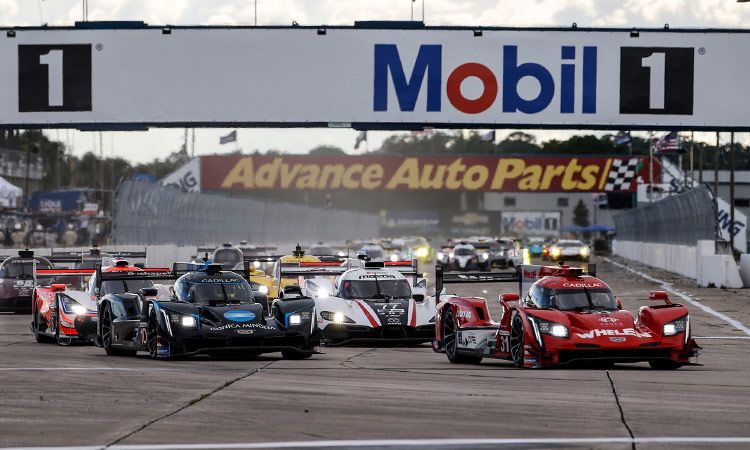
<point>143,146</point>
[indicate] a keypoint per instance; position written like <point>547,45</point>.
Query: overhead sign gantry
<point>373,75</point>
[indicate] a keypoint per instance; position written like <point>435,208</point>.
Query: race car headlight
<point>188,321</point>
<point>554,251</point>
<point>485,255</point>
<point>451,255</point>
<point>551,328</point>
<point>440,255</point>
<point>323,293</point>
<point>295,319</point>
<point>335,317</point>
<point>78,309</point>
<point>70,305</point>
<point>422,252</point>
<point>584,251</point>
<point>394,257</point>
<point>256,264</point>
<point>675,327</point>
<point>263,289</point>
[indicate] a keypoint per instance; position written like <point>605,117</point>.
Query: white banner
<point>739,228</point>
<point>530,223</point>
<point>187,178</point>
<point>343,76</point>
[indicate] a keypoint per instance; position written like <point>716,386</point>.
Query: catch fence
<point>154,214</point>
<point>679,219</point>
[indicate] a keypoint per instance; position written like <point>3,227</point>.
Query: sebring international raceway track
<point>396,397</point>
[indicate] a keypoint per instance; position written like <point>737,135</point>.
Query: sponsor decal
<point>583,285</point>
<point>624,332</point>
<point>378,275</point>
<point>238,326</point>
<point>392,309</point>
<point>439,172</point>
<point>617,339</point>
<point>239,316</point>
<point>394,320</point>
<point>609,320</point>
<point>464,314</point>
<point>244,331</point>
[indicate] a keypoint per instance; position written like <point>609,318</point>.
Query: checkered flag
<point>621,174</point>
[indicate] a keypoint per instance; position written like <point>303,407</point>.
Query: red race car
<point>60,314</point>
<point>563,316</point>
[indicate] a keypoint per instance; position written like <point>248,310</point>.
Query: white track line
<point>668,287</point>
<point>429,443</point>
<point>723,337</point>
<point>88,369</point>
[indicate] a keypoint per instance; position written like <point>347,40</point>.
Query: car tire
<point>664,364</point>
<point>106,338</point>
<point>152,335</point>
<point>450,341</point>
<point>517,337</point>
<point>38,335</point>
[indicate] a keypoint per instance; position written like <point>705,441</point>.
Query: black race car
<point>17,281</point>
<point>210,311</point>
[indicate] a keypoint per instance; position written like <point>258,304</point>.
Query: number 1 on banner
<point>656,63</point>
<point>54,62</point>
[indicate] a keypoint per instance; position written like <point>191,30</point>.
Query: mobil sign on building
<point>373,75</point>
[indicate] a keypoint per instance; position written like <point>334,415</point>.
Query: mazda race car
<point>562,316</point>
<point>372,303</point>
<point>210,311</point>
<point>17,281</point>
<point>535,245</point>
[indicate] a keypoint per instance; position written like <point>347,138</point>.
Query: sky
<point>146,145</point>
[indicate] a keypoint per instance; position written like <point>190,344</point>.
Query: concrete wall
<point>680,259</point>
<point>699,262</point>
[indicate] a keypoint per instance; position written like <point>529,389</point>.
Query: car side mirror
<point>58,287</point>
<point>152,291</point>
<point>509,298</point>
<point>418,297</point>
<point>659,295</point>
<point>619,303</point>
<point>422,284</point>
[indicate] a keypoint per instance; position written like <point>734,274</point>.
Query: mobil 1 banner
<point>341,76</point>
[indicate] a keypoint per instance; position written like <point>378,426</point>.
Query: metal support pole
<point>732,162</point>
<point>692,160</point>
<point>700,165</point>
<point>716,167</point>
<point>256,14</point>
<point>650,169</point>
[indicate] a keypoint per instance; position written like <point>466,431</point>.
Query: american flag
<point>670,142</point>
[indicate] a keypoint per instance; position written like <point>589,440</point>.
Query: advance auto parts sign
<point>428,173</point>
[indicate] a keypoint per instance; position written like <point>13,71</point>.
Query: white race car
<point>380,301</point>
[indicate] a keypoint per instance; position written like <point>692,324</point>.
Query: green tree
<point>326,150</point>
<point>581,214</point>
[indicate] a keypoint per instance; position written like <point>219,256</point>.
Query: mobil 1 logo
<point>54,77</point>
<point>656,80</point>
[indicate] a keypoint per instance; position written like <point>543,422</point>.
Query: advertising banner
<point>423,173</point>
<point>187,178</point>
<point>369,75</point>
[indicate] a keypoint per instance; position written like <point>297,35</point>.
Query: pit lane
<point>388,397</point>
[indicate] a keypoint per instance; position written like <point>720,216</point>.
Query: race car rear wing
<point>52,273</point>
<point>94,253</point>
<point>150,273</point>
<point>524,275</point>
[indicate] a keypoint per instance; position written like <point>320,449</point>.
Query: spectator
<point>69,237</point>
<point>39,237</point>
<point>18,236</point>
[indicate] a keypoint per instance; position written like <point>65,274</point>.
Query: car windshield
<point>585,299</point>
<point>230,292</point>
<point>570,244</point>
<point>22,269</point>
<point>374,253</point>
<point>321,251</point>
<point>463,252</point>
<point>227,256</point>
<point>379,288</point>
<point>124,286</point>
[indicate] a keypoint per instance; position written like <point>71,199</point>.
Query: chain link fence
<point>154,214</point>
<point>679,219</point>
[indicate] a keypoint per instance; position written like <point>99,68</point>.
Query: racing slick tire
<point>40,338</point>
<point>664,364</point>
<point>152,335</point>
<point>450,342</point>
<point>107,335</point>
<point>517,336</point>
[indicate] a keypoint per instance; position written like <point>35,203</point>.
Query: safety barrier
<point>679,219</point>
<point>154,214</point>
